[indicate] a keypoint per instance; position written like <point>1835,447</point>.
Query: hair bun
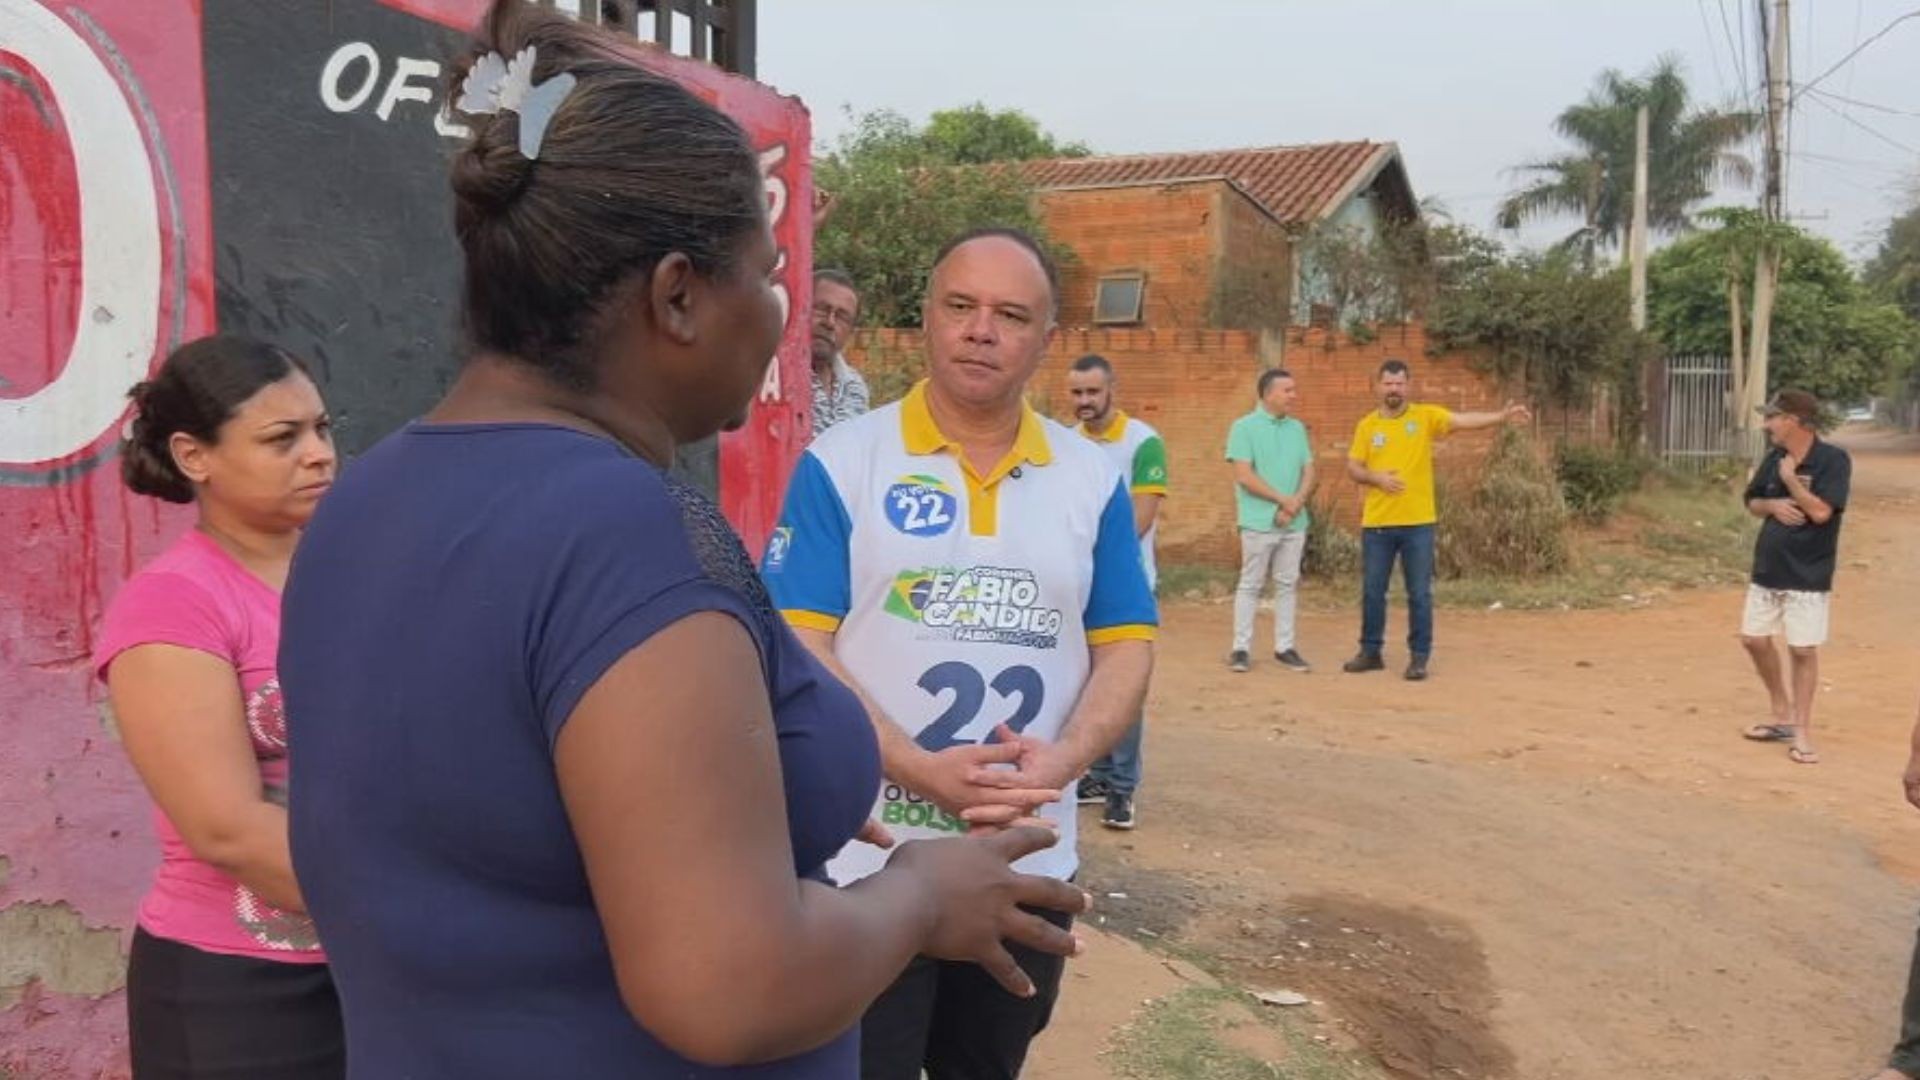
<point>490,175</point>
<point>146,461</point>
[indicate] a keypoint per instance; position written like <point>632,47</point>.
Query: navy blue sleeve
<point>621,567</point>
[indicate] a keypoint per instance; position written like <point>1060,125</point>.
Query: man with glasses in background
<point>839,393</point>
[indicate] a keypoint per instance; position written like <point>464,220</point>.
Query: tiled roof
<point>1294,183</point>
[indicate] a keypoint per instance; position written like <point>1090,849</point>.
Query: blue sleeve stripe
<point>807,562</point>
<point>1120,595</point>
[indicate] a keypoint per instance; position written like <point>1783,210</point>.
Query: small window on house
<point>1117,298</point>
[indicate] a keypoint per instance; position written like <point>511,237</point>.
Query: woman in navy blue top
<point>563,784</point>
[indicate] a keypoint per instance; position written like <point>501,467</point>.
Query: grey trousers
<point>1263,555</point>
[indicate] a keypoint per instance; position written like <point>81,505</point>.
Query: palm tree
<point>1687,150</point>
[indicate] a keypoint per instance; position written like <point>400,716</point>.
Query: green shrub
<point>1594,480</point>
<point>1332,552</point>
<point>1512,523</point>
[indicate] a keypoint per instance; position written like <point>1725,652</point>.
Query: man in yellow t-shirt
<point>1392,457</point>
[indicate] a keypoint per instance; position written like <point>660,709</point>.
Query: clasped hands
<point>994,785</point>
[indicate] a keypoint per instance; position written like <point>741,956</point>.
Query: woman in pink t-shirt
<point>226,977</point>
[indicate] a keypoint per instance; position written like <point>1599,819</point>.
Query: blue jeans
<point>1120,768</point>
<point>1906,1053</point>
<point>1413,545</point>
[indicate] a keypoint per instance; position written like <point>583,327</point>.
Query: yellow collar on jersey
<point>1115,428</point>
<point>921,435</point>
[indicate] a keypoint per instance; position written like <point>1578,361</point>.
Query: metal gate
<point>1696,426</point>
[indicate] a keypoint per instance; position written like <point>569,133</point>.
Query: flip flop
<point>1769,733</point>
<point>1803,757</point>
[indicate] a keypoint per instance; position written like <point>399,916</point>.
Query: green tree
<point>1393,273</point>
<point>1550,324</point>
<point>1688,149</point>
<point>1894,271</point>
<point>1830,335</point>
<point>1459,257</point>
<point>1894,275</point>
<point>897,196</point>
<point>1737,237</point>
<point>976,135</point>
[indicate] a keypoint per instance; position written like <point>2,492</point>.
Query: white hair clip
<point>499,85</point>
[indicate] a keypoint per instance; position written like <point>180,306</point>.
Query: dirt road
<point>1556,860</point>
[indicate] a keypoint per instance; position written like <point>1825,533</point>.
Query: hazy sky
<point>1468,88</point>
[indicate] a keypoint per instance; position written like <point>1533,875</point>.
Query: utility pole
<point>1766,273</point>
<point>1637,242</point>
<point>1636,251</point>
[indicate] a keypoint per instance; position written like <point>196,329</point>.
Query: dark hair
<point>197,389</point>
<point>1393,367</point>
<point>1268,378</point>
<point>1094,362</point>
<point>632,168</point>
<point>1018,236</point>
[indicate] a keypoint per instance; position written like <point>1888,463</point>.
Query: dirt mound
<point>1412,986</point>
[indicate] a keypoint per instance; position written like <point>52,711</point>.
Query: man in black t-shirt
<point>1800,490</point>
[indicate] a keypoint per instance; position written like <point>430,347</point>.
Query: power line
<point>1841,175</point>
<point>1737,48</point>
<point>1713,50</point>
<point>1850,163</point>
<point>1858,104</point>
<point>1882,136</point>
<point>1838,64</point>
<point>1859,27</point>
<point>1740,12</point>
<point>1859,24</point>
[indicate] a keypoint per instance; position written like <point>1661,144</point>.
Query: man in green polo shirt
<point>1272,476</point>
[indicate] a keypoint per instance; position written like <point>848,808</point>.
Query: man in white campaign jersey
<point>972,569</point>
<point>1137,450</point>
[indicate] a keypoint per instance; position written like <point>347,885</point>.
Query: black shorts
<point>195,1015</point>
<point>953,1020</point>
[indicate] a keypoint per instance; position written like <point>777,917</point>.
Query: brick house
<point>1210,239</point>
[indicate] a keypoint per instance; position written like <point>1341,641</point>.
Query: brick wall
<point>1191,238</point>
<point>1192,385</point>
<point>1169,231</point>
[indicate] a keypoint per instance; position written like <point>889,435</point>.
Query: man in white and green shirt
<point>1136,449</point>
<point>1272,460</point>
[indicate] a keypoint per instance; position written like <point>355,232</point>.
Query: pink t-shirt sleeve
<point>163,608</point>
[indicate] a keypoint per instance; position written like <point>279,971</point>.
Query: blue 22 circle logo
<point>921,505</point>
